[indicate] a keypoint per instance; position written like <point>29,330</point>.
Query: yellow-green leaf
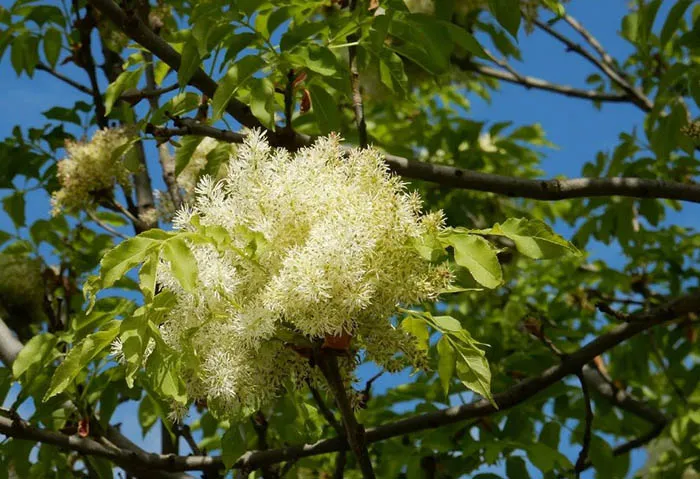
<point>478,256</point>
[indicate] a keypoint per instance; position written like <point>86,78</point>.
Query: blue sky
<point>575,126</point>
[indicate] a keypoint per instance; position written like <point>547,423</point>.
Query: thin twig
<point>614,299</point>
<point>592,41</point>
<point>185,432</point>
<point>606,309</point>
<point>539,84</point>
<point>341,457</point>
<point>664,367</point>
<point>327,413</point>
<point>116,206</point>
<point>287,467</point>
<point>151,91</point>
<point>505,65</point>
<point>105,226</point>
<point>587,433</point>
<point>167,162</point>
<point>354,432</point>
<point>65,79</point>
<point>341,460</point>
<point>357,102</point>
<point>638,98</point>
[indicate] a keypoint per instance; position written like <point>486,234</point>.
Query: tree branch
<point>357,102</point>
<point>539,84</point>
<point>517,394</point>
<point>327,413</point>
<point>135,29</point>
<point>592,41</point>
<point>587,433</point>
<point>546,189</point>
<point>637,97</point>
<point>126,454</point>
<point>354,432</point>
<point>64,79</point>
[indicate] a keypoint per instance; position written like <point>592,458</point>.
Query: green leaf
<point>600,453</point>
<point>318,59</point>
<point>423,40</point>
<point>102,467</point>
<point>478,256</point>
<point>78,358</point>
<point>534,238</point>
<point>419,329</point>
<point>147,276</point>
<point>465,39</point>
<point>148,414</point>
<point>447,324</point>
<point>184,153</point>
<point>126,80</point>
<point>673,21</point>
<point>473,370</point>
<point>236,77</point>
<point>447,360</point>
<point>14,206</point>
<point>33,352</point>
<point>124,257</point>
<point>189,62</point>
<point>176,106</point>
<point>262,101</point>
<point>300,32</point>
<point>134,336</point>
<point>542,457</point>
<point>233,445</point>
<point>325,109</point>
<point>52,45</point>
<point>4,236</point>
<point>629,27</point>
<point>238,43</point>
<point>515,467</point>
<point>429,247</point>
<point>392,74</point>
<point>164,373</point>
<point>507,13</point>
<point>62,114</point>
<point>550,434</point>
<point>182,262</point>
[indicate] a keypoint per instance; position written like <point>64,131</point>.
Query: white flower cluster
<point>90,169</point>
<point>188,177</point>
<point>321,245</point>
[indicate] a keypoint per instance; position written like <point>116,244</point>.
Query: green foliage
<point>516,279</point>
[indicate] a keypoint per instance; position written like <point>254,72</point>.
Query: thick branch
<point>546,190</point>
<point>123,454</point>
<point>130,24</point>
<point>448,176</point>
<point>505,400</point>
